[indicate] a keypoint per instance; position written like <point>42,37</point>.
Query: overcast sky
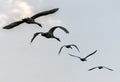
<point>93,25</point>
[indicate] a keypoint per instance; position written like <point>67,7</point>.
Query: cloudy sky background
<point>93,24</point>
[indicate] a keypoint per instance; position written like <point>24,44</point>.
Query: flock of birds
<point>50,34</point>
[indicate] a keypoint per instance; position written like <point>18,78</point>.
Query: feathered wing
<point>57,39</point>
<point>36,34</point>
<point>75,47</point>
<point>60,49</point>
<point>38,24</point>
<point>92,68</point>
<point>74,55</point>
<point>53,29</point>
<point>45,13</point>
<point>108,68</point>
<point>12,25</point>
<point>91,54</point>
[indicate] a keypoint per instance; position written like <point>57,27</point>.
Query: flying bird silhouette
<point>68,46</point>
<point>85,58</point>
<point>100,67</point>
<point>50,34</point>
<point>31,20</point>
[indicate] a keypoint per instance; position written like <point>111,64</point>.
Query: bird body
<point>85,58</point>
<point>28,20</point>
<point>68,46</point>
<point>100,67</point>
<point>49,34</point>
<point>31,20</point>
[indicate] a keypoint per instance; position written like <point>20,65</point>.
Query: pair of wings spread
<point>86,56</point>
<point>100,66</point>
<point>12,25</point>
<point>69,45</point>
<point>50,31</point>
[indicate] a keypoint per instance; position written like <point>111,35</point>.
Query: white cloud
<point>22,9</point>
<point>16,9</point>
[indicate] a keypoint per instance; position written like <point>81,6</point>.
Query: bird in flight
<point>100,67</point>
<point>31,20</point>
<point>50,34</point>
<point>85,58</point>
<point>68,46</point>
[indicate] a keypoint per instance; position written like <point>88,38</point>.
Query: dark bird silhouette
<point>85,58</point>
<point>31,20</point>
<point>100,67</point>
<point>69,46</point>
<point>50,34</point>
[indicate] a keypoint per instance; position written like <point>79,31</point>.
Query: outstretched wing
<point>38,24</point>
<point>60,49</point>
<point>92,68</point>
<point>53,29</point>
<point>108,68</point>
<point>74,55</point>
<point>75,47</point>
<point>91,53</point>
<point>12,25</point>
<point>36,34</point>
<point>45,13</point>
